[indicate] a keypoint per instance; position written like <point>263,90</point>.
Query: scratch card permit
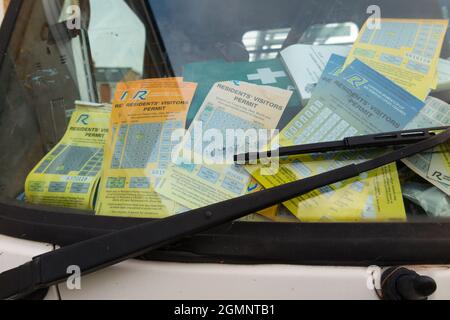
<point>404,50</point>
<point>440,165</point>
<point>436,113</point>
<point>357,101</point>
<point>138,151</point>
<point>68,176</point>
<point>203,174</point>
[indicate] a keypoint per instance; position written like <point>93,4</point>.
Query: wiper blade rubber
<point>381,140</point>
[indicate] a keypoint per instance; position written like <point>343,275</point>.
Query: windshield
<point>136,109</point>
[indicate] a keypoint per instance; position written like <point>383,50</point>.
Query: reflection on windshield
<point>117,36</point>
<point>263,45</point>
<point>117,28</point>
<point>3,7</point>
<point>331,33</point>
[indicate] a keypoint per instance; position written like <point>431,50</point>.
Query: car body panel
<point>152,280</point>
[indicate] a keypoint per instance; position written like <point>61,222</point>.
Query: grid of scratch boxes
<point>152,167</point>
<point>68,176</point>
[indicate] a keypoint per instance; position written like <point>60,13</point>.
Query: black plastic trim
<point>7,27</point>
<point>349,244</point>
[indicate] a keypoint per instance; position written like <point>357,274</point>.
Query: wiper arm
<point>104,251</point>
<point>381,140</point>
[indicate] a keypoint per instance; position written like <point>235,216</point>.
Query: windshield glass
<point>137,108</point>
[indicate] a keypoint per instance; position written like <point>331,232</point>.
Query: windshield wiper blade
<point>107,250</point>
<point>381,140</point>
